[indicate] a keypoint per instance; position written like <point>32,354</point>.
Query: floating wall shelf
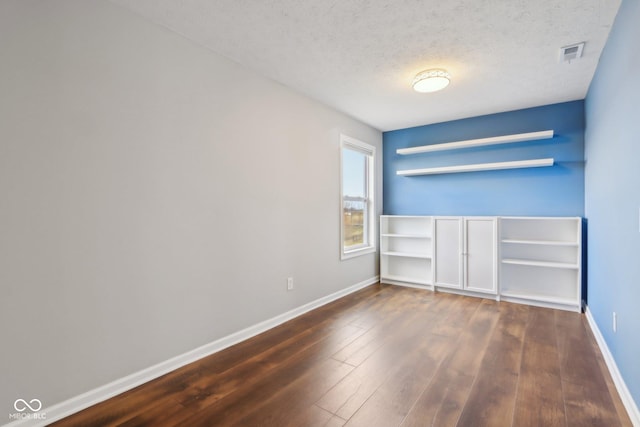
<point>495,140</point>
<point>536,163</point>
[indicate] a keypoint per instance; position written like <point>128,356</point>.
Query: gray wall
<point>154,197</point>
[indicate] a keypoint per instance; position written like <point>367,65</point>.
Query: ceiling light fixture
<point>431,80</point>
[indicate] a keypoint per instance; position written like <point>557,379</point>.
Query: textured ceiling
<point>360,56</point>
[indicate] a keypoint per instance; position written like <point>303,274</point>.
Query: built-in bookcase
<point>540,261</point>
<point>406,250</point>
<point>540,258</point>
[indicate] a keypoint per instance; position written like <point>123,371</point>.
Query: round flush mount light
<point>431,80</point>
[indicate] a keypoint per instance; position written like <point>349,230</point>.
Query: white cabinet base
<point>467,293</point>
<point>407,284</point>
<point>541,302</point>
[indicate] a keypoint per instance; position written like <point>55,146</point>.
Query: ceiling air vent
<point>571,52</point>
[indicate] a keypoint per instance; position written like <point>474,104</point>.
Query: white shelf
<point>541,218</point>
<point>539,242</point>
<point>518,164</point>
<point>407,255</point>
<point>539,263</point>
<point>410,236</point>
<point>495,140</point>
<point>394,217</point>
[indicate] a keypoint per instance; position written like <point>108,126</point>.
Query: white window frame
<point>370,230</point>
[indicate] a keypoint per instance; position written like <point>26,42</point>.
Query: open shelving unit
<point>406,250</point>
<point>540,261</point>
<point>495,140</point>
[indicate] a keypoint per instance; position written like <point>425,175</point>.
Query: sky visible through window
<point>353,173</point>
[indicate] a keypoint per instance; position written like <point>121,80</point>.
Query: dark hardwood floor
<point>389,356</point>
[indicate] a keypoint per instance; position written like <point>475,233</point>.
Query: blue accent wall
<point>613,193</point>
<point>549,191</point>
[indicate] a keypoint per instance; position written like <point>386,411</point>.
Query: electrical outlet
<point>289,283</point>
<point>615,322</point>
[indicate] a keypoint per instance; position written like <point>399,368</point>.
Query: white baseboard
<point>78,403</point>
<point>621,386</point>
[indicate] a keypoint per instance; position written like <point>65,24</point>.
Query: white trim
<point>541,301</point>
<point>467,293</point>
<point>357,145</point>
<point>518,164</point>
<point>352,253</point>
<point>97,395</point>
<point>370,231</point>
<point>621,386</point>
<point>494,140</point>
<point>413,284</point>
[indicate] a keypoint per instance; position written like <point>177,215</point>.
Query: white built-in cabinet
<point>532,260</point>
<point>466,253</point>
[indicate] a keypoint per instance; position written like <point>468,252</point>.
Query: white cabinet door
<point>480,245</point>
<point>466,253</point>
<point>448,253</point>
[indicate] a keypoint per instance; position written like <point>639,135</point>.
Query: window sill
<point>357,252</point>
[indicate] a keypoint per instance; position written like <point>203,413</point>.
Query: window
<point>357,208</point>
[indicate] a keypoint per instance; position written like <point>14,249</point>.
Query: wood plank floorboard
<point>539,399</point>
<point>492,398</point>
<point>444,397</point>
<point>388,356</point>
<point>587,398</point>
